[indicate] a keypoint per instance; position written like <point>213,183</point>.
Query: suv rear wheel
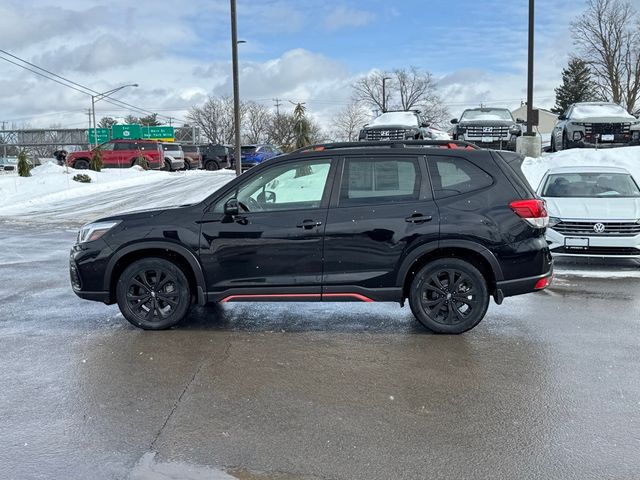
<point>449,295</point>
<point>153,294</point>
<point>81,164</point>
<point>212,165</point>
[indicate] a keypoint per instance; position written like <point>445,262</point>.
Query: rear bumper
<point>520,286</point>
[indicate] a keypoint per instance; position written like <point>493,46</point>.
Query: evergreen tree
<point>24,169</point>
<point>96,160</point>
<point>577,86</point>
<point>141,161</point>
<point>302,133</point>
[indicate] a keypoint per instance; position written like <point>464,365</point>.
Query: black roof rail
<point>390,144</point>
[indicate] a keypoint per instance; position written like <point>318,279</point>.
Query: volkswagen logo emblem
<point>599,228</point>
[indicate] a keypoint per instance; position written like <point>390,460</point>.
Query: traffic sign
<point>127,132</point>
<point>166,134</point>
<point>101,136</point>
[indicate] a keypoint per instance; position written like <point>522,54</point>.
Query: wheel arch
<point>177,254</point>
<point>474,253</point>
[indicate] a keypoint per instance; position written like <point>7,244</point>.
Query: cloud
<point>342,17</point>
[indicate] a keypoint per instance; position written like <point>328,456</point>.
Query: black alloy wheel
<point>153,294</point>
<point>449,296</point>
<point>212,165</point>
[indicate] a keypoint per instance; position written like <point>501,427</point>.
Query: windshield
<point>487,114</point>
<point>602,110</point>
<point>248,149</point>
<point>591,185</point>
<point>172,148</point>
<point>396,118</point>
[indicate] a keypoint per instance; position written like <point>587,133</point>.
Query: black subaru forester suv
<point>442,224</point>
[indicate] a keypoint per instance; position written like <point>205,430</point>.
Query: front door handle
<point>418,218</point>
<point>309,224</point>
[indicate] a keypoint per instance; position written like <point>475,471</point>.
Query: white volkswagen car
<point>593,211</point>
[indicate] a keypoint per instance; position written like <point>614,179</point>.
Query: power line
<point>89,91</point>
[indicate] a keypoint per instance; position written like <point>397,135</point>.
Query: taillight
<point>534,211</point>
<point>543,283</point>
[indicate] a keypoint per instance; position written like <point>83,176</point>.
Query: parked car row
<point>172,156</point>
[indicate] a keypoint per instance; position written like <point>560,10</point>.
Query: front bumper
<point>603,246</point>
<point>87,266</point>
<point>494,144</point>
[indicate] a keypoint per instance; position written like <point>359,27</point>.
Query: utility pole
<point>236,87</point>
<point>277,103</point>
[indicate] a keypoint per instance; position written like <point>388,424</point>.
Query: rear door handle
<point>418,218</point>
<point>309,224</point>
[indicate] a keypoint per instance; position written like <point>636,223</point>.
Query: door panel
<point>384,209</point>
<point>276,241</point>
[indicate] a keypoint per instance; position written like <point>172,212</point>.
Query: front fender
<point>185,253</point>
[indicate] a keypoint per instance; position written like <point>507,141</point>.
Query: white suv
<point>593,211</point>
<point>173,157</point>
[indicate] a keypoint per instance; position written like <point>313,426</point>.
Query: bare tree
<point>368,90</point>
<point>608,37</point>
<point>281,131</point>
<point>131,120</point>
<point>215,119</point>
<point>349,121</point>
<point>256,124</point>
<point>406,89</point>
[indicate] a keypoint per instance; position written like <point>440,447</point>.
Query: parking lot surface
<point>547,386</point>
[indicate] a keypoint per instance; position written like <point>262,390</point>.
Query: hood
<point>603,120</point>
<point>603,209</point>
<point>139,214</point>
<point>391,127</point>
<point>487,123</point>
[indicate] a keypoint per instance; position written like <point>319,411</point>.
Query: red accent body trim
<point>319,296</point>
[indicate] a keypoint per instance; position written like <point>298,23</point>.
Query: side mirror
<point>425,124</point>
<point>562,117</point>
<point>231,208</point>
<point>520,120</point>
<point>454,121</point>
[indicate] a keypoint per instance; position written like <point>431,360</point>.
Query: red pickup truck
<point>121,154</point>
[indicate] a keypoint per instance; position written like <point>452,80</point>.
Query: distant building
<point>547,119</point>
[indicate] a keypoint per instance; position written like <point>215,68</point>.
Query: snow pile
<point>626,157</point>
<point>498,114</point>
<point>587,110</point>
<point>51,194</point>
<point>395,118</point>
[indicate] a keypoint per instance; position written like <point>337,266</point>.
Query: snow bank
<point>626,157</point>
<point>51,194</point>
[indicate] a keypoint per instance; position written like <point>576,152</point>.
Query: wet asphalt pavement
<point>546,387</point>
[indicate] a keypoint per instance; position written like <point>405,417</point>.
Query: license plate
<point>487,139</point>
<point>607,138</point>
<point>576,243</point>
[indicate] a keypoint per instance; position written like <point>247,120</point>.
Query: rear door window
<point>379,180</point>
<point>124,146</point>
<point>452,176</point>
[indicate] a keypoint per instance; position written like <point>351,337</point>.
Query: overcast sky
<point>306,50</point>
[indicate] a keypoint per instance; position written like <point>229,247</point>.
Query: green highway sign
<point>126,132</point>
<point>101,135</point>
<point>158,133</point>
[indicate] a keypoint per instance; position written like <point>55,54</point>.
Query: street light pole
<point>236,87</point>
<point>96,98</point>
<point>529,132</point>
<point>384,94</point>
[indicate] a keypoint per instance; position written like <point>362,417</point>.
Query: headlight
<point>553,221</point>
<point>93,231</point>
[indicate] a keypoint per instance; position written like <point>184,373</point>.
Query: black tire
<point>167,165</point>
<point>153,294</point>
<point>565,142</point>
<point>187,164</point>
<point>212,165</point>
<point>81,164</point>
<point>552,146</point>
<point>443,308</point>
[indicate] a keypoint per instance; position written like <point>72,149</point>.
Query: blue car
<point>253,155</point>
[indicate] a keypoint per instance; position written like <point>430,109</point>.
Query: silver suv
<point>173,157</point>
<point>594,124</point>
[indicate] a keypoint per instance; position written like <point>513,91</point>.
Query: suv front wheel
<point>449,295</point>
<point>153,294</point>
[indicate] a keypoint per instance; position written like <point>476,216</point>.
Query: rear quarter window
<point>451,176</point>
